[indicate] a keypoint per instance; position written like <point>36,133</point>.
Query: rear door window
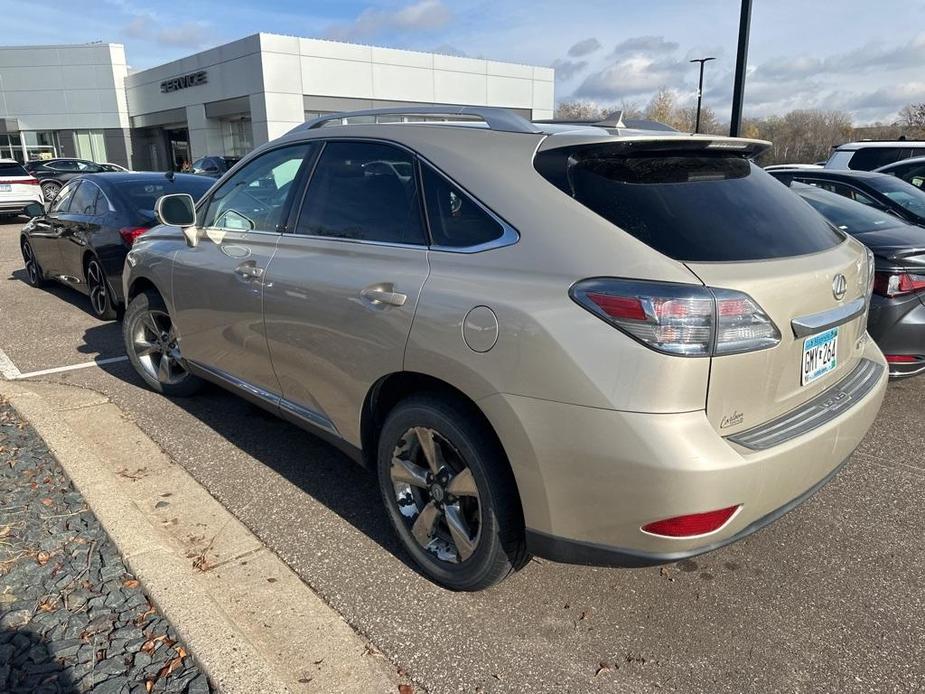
<point>12,169</point>
<point>62,201</point>
<point>84,201</point>
<point>363,191</point>
<point>870,158</point>
<point>695,207</point>
<point>456,220</point>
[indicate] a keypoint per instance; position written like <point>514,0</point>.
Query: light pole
<point>700,90</point>
<point>738,85</point>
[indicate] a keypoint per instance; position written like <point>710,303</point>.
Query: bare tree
<point>912,116</point>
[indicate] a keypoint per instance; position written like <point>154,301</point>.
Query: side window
<point>63,166</point>
<point>84,201</point>
<point>363,191</point>
<point>255,197</point>
<point>198,164</point>
<point>455,219</point>
<point>870,158</point>
<point>63,200</point>
<point>101,206</point>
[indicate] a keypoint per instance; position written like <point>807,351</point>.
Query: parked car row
<point>593,344</point>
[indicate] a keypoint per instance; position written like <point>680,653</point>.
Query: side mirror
<point>34,209</point>
<point>178,210</point>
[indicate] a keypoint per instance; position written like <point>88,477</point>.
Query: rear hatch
<point>701,201</point>
<point>16,184</point>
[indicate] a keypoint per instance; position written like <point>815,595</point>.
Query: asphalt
<point>827,599</point>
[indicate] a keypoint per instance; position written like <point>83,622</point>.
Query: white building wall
<point>64,87</point>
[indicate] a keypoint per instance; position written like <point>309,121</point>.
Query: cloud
<point>567,69</point>
<point>644,45</point>
<point>423,15</point>
<point>585,47</point>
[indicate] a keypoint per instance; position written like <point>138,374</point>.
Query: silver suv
<point>589,343</point>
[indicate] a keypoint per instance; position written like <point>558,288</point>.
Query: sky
<point>863,57</point>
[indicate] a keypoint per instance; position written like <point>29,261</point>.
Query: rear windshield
<point>698,207</point>
<point>849,216</point>
<point>904,194</point>
<point>12,169</point>
<point>141,195</point>
<point>870,158</point>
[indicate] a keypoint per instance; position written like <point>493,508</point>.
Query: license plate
<point>6,188</point>
<point>819,355</point>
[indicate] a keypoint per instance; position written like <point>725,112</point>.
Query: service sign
<point>193,79</point>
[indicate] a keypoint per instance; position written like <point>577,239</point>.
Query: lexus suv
<point>594,344</point>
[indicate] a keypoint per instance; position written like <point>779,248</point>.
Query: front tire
<point>100,295</point>
<point>35,276</point>
<point>450,493</point>
<point>50,190</point>
<point>152,347</point>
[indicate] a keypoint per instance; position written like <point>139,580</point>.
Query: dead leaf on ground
<point>131,583</point>
<point>5,531</point>
<point>149,685</point>
<point>603,666</point>
<point>42,558</point>
<point>405,689</point>
<point>168,669</point>
<point>47,501</point>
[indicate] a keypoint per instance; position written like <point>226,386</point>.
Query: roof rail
<point>495,118</point>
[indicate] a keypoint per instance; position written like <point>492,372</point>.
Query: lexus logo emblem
<point>839,286</point>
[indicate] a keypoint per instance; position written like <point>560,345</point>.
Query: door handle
<point>249,270</point>
<point>384,294</point>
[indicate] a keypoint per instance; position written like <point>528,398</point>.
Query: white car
<point>17,188</point>
<point>784,167</point>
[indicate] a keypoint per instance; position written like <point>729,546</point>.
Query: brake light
<point>129,234</point>
<point>680,319</point>
<point>693,524</point>
<point>890,284</point>
<point>22,181</point>
<point>902,359</point>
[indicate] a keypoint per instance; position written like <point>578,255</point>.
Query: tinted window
<point>844,190</point>
<point>870,158</point>
<point>847,215</point>
<point>84,201</point>
<point>255,197</point>
<point>101,206</point>
<point>696,208</point>
<point>12,169</point>
<point>63,165</point>
<point>198,164</point>
<point>63,199</point>
<point>142,194</point>
<point>455,219</point>
<point>914,174</point>
<point>363,191</point>
<point>88,167</point>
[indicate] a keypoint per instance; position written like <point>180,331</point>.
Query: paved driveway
<point>828,599</point>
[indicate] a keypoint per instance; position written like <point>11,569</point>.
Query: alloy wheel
<point>32,268</point>
<point>154,342</point>
<point>96,283</point>
<point>436,495</point>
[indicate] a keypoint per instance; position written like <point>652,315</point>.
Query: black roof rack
<point>495,118</point>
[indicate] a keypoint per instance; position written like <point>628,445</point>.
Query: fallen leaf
<point>5,531</point>
<point>47,501</point>
<point>131,583</point>
<point>603,666</point>
<point>168,669</point>
<point>180,651</point>
<point>405,689</point>
<point>149,685</point>
<point>42,558</point>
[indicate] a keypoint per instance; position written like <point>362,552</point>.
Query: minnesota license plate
<point>819,355</point>
<point>5,188</point>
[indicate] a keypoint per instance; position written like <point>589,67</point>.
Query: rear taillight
<point>902,359</point>
<point>129,234</point>
<point>693,524</point>
<point>890,284</point>
<point>681,319</point>
<point>22,181</point>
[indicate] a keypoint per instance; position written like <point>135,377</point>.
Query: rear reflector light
<point>129,234</point>
<point>681,319</point>
<point>890,284</point>
<point>693,524</point>
<point>902,359</point>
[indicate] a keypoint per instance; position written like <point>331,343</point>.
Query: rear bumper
<point>589,478</point>
<point>898,326</point>
<point>19,205</point>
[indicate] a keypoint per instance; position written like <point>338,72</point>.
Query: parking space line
<point>11,372</point>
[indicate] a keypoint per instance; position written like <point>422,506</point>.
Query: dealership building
<point>84,101</point>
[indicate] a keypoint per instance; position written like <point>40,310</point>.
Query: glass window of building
<point>90,144</point>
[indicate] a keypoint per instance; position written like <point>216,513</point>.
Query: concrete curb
<point>251,622</point>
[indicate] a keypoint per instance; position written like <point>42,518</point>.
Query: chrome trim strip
<point>823,408</point>
<point>311,416</point>
<point>805,326</point>
<point>249,389</point>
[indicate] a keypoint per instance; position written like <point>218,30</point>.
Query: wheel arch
<point>142,284</point>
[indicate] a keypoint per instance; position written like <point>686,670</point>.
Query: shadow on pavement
<point>27,666</point>
<point>317,468</point>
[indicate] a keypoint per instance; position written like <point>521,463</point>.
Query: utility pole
<point>738,87</point>
<point>700,90</point>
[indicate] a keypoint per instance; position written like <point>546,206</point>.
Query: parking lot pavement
<point>828,599</point>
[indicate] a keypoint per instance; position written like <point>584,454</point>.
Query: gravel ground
<point>72,617</point>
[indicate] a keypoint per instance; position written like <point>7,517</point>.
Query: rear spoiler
<point>663,142</point>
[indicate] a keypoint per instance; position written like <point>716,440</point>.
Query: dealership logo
<point>839,286</point>
<point>193,79</point>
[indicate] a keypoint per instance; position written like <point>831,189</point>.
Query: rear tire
<point>450,493</point>
<point>152,347</point>
<point>101,303</point>
<point>50,190</point>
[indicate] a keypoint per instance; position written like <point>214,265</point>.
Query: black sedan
<point>54,173</point>
<point>84,236</point>
<point>897,307</point>
<point>910,170</point>
<point>876,190</point>
<point>214,166</point>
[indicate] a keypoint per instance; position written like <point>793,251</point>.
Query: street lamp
<point>700,90</point>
